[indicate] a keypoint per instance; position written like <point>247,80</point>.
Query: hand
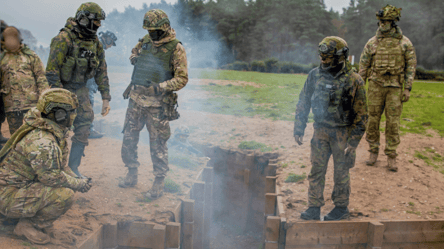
<point>298,139</point>
<point>405,95</point>
<point>105,107</point>
<point>156,90</point>
<point>133,59</point>
<point>83,186</point>
<point>349,150</point>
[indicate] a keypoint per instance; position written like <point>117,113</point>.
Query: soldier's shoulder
<point>372,41</point>
<point>39,140</point>
<point>356,78</point>
<point>62,36</point>
<point>314,71</point>
<point>406,41</point>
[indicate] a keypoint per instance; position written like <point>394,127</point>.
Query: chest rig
<point>154,64</point>
<point>389,58</point>
<point>81,62</point>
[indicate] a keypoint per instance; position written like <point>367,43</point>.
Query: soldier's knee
<point>375,110</point>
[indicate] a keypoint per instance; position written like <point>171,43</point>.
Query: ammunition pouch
<point>169,107</point>
<point>67,68</point>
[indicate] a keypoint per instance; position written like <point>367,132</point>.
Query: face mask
<point>156,34</point>
<point>385,26</point>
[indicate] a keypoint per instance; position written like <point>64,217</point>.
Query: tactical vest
<point>153,65</point>
<point>329,103</point>
<point>389,58</point>
<point>81,62</point>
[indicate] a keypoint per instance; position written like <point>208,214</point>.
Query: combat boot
<point>130,179</point>
<point>312,213</point>
<point>392,165</point>
<point>338,213</point>
<point>372,159</point>
<point>27,229</point>
<point>93,134</point>
<point>75,157</point>
<point>156,190</point>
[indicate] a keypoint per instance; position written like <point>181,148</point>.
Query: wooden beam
<point>172,239</point>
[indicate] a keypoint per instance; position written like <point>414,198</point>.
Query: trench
<point>224,209</point>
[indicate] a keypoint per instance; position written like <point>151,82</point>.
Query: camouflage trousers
<point>15,120</point>
<point>85,116</point>
<point>325,142</point>
<point>42,204</point>
<point>380,99</point>
<point>159,130</point>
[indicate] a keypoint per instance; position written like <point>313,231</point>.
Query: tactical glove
<point>405,95</point>
<point>82,185</point>
<point>298,139</point>
<point>349,151</point>
<point>105,107</point>
<point>133,59</point>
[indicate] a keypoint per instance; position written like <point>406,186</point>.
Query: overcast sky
<point>44,18</point>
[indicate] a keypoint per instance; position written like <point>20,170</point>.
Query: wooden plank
<point>110,235</point>
<point>282,233</point>
<point>94,240</point>
<point>413,231</point>
<point>198,191</point>
<point>269,245</point>
<point>187,224</point>
<point>172,239</point>
<point>270,170</point>
<point>247,173</point>
<point>270,204</point>
<point>158,241</point>
<point>135,234</point>
<point>375,235</point>
<point>426,245</point>
<point>272,229</point>
<point>270,184</point>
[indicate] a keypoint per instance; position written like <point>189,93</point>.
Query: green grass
<point>171,186</point>
<point>292,177</point>
<point>431,158</point>
<point>253,145</point>
<point>182,160</point>
<point>279,95</point>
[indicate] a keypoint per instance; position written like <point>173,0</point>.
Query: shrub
<point>271,65</point>
<point>171,186</point>
<point>258,66</point>
<point>240,66</point>
<point>253,145</point>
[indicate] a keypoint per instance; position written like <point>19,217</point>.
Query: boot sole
<point>343,217</point>
<point>306,218</point>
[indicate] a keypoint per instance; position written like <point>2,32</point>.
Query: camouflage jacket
<point>178,63</point>
<point>41,154</point>
<point>337,101</point>
<point>61,44</point>
<point>408,52</point>
<point>22,79</point>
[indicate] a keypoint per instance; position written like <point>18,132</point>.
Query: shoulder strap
<point>71,36</point>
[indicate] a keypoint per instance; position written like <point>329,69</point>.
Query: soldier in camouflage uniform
<point>336,95</point>
<point>388,61</point>
<point>22,77</point>
<point>36,185</point>
<point>77,55</point>
<point>3,26</point>
<point>160,68</point>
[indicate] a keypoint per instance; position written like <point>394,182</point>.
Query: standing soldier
<point>3,26</point>
<point>337,97</point>
<point>160,67</point>
<point>388,61</point>
<point>77,55</point>
<point>36,185</point>
<point>108,39</point>
<point>22,77</point>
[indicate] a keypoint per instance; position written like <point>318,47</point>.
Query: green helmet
<point>90,10</point>
<point>57,98</point>
<point>389,12</point>
<point>156,19</point>
<point>334,45</point>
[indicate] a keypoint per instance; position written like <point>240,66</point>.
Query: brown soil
<point>377,194</point>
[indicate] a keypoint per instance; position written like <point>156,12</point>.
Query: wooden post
<point>110,235</point>
<point>198,195</point>
<point>159,237</point>
<point>272,228</point>
<point>375,235</point>
<point>207,177</point>
<point>270,204</point>
<point>172,240</point>
<point>270,184</point>
<point>187,224</point>
<point>282,233</point>
<point>270,170</point>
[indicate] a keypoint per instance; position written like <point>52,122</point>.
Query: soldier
<point>388,61</point>
<point>160,68</point>
<point>180,142</point>
<point>36,185</point>
<point>108,39</point>
<point>77,55</point>
<point>22,77</point>
<point>337,97</point>
<point>3,26</point>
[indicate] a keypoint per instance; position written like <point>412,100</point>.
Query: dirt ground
<point>414,192</point>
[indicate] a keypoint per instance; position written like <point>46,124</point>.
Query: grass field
<point>278,97</point>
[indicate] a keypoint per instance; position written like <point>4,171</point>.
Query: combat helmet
<point>89,15</point>
<point>156,19</point>
<point>390,13</point>
<point>182,131</point>
<point>59,102</point>
<point>336,46</point>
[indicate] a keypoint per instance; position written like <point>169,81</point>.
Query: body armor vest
<point>330,104</point>
<point>81,61</point>
<point>153,65</point>
<point>389,58</point>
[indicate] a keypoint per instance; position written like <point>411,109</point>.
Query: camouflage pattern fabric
<point>35,180</point>
<point>159,130</point>
<point>15,120</point>
<point>386,91</point>
<point>85,116</point>
<point>389,12</point>
<point>22,79</point>
<point>327,142</point>
<point>156,19</point>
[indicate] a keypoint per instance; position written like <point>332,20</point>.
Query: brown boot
<point>372,159</point>
<point>392,166</point>
<point>130,179</point>
<point>156,190</point>
<point>27,229</point>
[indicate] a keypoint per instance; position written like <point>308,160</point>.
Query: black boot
<point>338,213</point>
<point>75,157</point>
<point>312,213</point>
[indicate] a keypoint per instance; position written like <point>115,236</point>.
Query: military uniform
<point>147,108</point>
<point>388,61</point>
<point>23,79</point>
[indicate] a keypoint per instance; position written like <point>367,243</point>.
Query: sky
<point>45,18</point>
